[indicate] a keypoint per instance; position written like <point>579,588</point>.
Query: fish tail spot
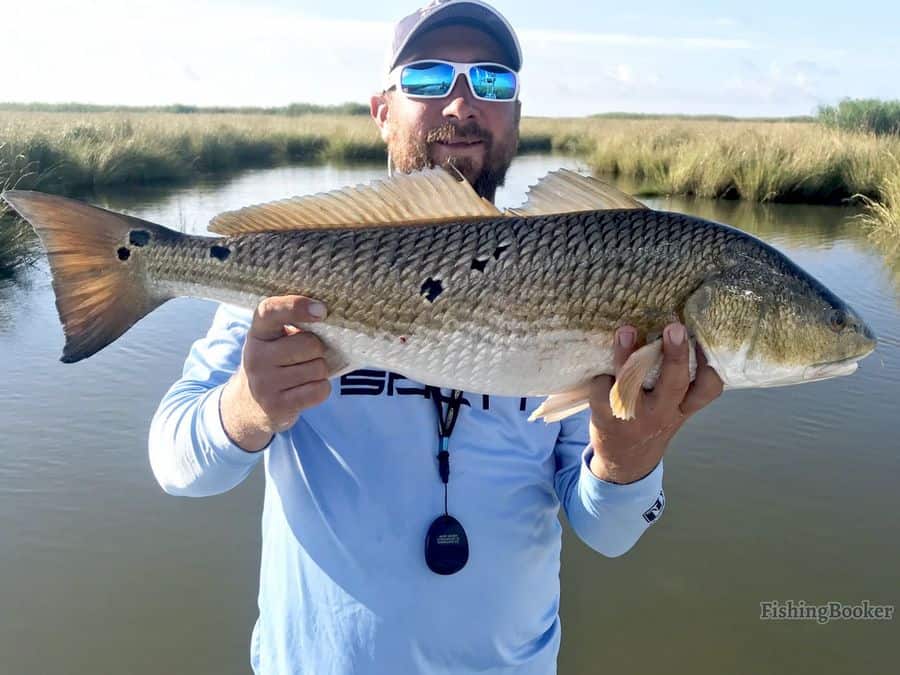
<point>139,237</point>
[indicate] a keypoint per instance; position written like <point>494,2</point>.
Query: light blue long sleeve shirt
<point>350,492</point>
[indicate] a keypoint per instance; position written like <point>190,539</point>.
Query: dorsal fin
<point>562,191</point>
<point>428,196</point>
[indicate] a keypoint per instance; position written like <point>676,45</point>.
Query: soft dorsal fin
<point>428,196</point>
<point>562,191</point>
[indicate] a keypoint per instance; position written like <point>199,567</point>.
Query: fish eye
<point>837,320</point>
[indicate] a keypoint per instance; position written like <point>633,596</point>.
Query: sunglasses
<point>435,79</point>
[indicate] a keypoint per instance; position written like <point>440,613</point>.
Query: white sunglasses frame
<point>459,68</point>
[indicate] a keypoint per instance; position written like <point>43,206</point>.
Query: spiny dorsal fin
<point>428,196</point>
<point>562,191</point>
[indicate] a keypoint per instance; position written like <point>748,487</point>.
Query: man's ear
<point>379,106</point>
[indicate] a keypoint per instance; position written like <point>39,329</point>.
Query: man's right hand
<point>282,372</point>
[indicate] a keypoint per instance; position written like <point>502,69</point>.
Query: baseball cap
<point>444,11</point>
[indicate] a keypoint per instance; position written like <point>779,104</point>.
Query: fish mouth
<point>823,371</point>
<point>828,370</point>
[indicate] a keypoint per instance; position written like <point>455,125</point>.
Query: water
<point>773,494</point>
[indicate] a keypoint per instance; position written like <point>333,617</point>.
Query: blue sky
<point>748,59</point>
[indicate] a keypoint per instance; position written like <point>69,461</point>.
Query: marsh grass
<point>869,115</point>
<point>756,161</point>
<point>76,151</point>
<point>881,219</point>
<point>18,245</point>
<point>760,161</point>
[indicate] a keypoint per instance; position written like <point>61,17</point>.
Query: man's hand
<point>282,372</point>
<point>626,451</point>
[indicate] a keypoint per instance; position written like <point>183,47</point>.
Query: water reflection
<point>6,303</point>
<point>889,248</point>
<point>803,223</point>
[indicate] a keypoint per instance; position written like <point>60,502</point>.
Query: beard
<point>410,153</point>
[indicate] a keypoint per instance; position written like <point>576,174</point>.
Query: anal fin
<point>560,406</point>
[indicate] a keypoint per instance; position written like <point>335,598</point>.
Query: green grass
<point>18,245</point>
<point>882,218</point>
<point>752,160</point>
<point>75,151</point>
<point>866,115</point>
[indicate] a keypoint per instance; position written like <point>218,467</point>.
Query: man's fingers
<point>297,374</point>
<point>296,348</point>
<point>626,336</point>
<point>273,314</point>
<point>707,387</point>
<point>625,343</point>
<point>307,395</point>
<point>285,351</point>
<point>674,375</point>
<point>600,387</point>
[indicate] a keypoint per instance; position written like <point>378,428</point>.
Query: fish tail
<point>99,270</point>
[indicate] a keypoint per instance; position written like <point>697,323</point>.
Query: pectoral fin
<point>626,390</point>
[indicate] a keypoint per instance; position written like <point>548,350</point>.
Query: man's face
<point>478,137</point>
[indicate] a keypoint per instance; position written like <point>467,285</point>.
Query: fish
<point>423,277</point>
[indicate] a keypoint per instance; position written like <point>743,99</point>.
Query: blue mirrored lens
<point>494,82</point>
<point>427,79</point>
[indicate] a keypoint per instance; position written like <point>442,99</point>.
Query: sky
<point>760,58</point>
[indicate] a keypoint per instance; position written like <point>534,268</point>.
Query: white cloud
<point>780,82</point>
<point>631,40</point>
<point>213,53</point>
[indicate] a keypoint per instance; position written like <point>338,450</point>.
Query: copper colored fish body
<point>521,304</point>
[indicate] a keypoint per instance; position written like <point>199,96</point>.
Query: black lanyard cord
<point>445,428</point>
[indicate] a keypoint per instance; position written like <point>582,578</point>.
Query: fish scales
<point>547,283</point>
<point>537,270</point>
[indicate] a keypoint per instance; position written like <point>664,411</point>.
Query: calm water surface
<point>773,494</point>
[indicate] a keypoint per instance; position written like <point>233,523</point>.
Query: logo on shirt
<point>655,511</point>
<point>383,383</point>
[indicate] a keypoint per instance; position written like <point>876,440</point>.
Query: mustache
<point>450,133</point>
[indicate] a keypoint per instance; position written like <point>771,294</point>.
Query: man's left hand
<point>626,451</point>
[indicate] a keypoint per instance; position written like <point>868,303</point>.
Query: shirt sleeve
<point>608,517</point>
<point>190,453</point>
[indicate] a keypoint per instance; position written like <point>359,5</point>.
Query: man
<point>353,488</point>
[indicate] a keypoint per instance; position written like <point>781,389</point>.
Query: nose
<point>460,104</point>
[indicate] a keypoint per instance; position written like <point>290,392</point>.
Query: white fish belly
<point>472,358</point>
<point>468,359</point>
